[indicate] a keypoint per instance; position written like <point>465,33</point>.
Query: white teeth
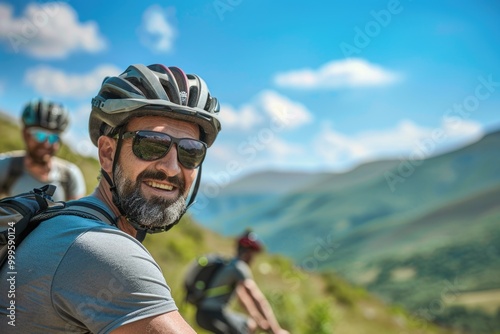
<point>159,185</point>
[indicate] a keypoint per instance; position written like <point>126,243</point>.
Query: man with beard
<point>152,126</point>
<point>21,171</point>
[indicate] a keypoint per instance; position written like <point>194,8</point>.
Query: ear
<point>106,149</point>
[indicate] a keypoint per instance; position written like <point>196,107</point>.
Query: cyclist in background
<point>21,171</point>
<point>236,278</point>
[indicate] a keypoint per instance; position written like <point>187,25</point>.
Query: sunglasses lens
<point>41,137</point>
<point>53,138</point>
<point>151,146</point>
<point>191,152</point>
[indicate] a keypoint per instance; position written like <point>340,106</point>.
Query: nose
<point>46,144</point>
<point>169,163</point>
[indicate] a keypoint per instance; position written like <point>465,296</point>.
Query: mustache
<point>161,176</point>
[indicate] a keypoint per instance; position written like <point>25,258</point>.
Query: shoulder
<point>7,157</point>
<point>110,258</point>
<point>107,279</point>
<point>108,242</point>
<point>71,177</point>
<point>241,265</point>
<point>93,244</point>
<point>12,154</point>
<point>242,268</point>
<point>11,166</point>
<point>103,248</point>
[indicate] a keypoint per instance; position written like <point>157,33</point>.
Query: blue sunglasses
<point>41,136</point>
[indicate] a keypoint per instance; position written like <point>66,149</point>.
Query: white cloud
<point>48,30</point>
<point>245,118</point>
<point>289,113</point>
<point>351,72</point>
<point>406,140</point>
<point>257,137</point>
<point>157,31</point>
<point>337,149</point>
<point>53,82</point>
<point>333,150</point>
<point>238,157</point>
<point>267,108</point>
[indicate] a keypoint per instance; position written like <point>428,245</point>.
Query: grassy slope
<point>304,302</point>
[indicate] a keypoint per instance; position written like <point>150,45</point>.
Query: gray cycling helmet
<point>154,90</point>
<point>45,114</point>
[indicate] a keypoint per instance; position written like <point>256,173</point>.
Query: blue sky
<point>316,86</point>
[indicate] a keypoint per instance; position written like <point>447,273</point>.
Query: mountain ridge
<point>445,178</point>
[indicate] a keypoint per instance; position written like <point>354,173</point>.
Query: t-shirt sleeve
<point>244,271</point>
<point>108,279</point>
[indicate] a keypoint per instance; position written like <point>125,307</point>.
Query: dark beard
<point>153,213</point>
<point>38,159</point>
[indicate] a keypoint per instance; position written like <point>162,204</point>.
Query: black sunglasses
<point>152,145</point>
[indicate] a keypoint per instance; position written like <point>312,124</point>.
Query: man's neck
<point>103,193</point>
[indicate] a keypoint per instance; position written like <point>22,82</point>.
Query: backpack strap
<point>213,291</point>
<point>80,209</point>
<point>96,211</point>
<point>16,167</point>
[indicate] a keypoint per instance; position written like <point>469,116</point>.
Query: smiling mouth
<point>161,186</point>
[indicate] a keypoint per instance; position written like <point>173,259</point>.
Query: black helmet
<point>154,90</point>
<point>45,114</point>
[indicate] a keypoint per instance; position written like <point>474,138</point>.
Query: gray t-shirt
<point>225,281</point>
<point>66,176</point>
<point>80,276</point>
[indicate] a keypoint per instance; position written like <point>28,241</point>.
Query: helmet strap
<point>195,189</point>
<point>112,186</point>
<point>141,235</point>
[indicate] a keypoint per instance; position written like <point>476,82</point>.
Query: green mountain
<point>400,228</point>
